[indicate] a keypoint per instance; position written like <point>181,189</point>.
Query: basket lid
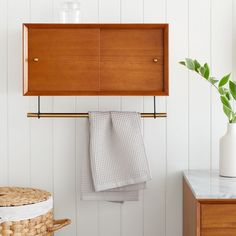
<point>15,196</point>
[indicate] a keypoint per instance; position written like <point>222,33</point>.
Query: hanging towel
<point>86,182</point>
<point>117,152</point>
<point>88,191</point>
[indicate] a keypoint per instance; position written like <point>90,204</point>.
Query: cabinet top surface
<point>92,25</point>
<point>207,184</point>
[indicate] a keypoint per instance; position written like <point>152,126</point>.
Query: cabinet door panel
<point>218,215</point>
<point>127,60</point>
<point>68,61</point>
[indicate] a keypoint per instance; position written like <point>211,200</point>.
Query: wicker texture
<point>37,226</point>
<point>13,196</point>
<point>43,225</point>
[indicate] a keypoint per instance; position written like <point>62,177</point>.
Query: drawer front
<point>218,232</point>
<point>218,219</point>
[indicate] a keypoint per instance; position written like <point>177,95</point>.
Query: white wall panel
<point>199,89</point>
<point>87,211</point>
<point>3,95</point>
<point>132,222</point>
<point>64,155</point>
<point>18,124</point>
<point>64,184</point>
<point>41,130</point>
<point>89,11</point>
<point>155,136</point>
<point>132,11</point>
<point>177,109</point>
<point>221,64</point>
<point>109,213</point>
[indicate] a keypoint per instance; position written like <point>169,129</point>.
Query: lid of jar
<point>70,5</point>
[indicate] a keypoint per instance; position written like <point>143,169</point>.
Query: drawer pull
<point>35,59</point>
<point>155,60</point>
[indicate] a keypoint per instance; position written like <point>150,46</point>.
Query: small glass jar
<point>70,12</point>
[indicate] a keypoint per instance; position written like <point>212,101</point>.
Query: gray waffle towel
<point>118,165</point>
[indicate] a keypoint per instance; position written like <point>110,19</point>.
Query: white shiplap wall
<point>46,153</point>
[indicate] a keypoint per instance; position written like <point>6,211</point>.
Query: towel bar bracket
<point>38,107</point>
<point>155,113</point>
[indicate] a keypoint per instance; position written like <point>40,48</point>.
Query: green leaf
<point>224,80</point>
<point>222,91</point>
<point>213,80</point>
<point>190,64</point>
<point>197,65</point>
<point>234,118</point>
<point>228,112</point>
<point>232,88</point>
<point>202,71</point>
<point>228,95</point>
<point>182,63</point>
<point>225,102</point>
<point>207,71</point>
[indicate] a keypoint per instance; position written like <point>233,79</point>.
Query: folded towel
<point>117,168</point>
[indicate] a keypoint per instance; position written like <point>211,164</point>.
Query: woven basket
<point>43,225</point>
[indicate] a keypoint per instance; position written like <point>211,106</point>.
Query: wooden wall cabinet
<point>95,59</point>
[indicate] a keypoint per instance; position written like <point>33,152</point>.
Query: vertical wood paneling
<point>47,153</point>
<point>132,11</point>
<point>155,11</point>
<point>155,193</point>
<point>199,90</point>
<point>132,212</point>
<point>18,148</point>
<point>3,94</point>
<point>41,137</point>
<point>41,11</point>
<point>89,11</point>
<point>64,164</point>
<point>111,15</point>
<point>177,109</point>
<point>87,211</point>
<point>221,64</point>
<point>155,141</point>
<point>233,39</point>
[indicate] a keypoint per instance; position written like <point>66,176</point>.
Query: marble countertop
<point>207,184</point>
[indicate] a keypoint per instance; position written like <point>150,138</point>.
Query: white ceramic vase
<point>227,165</point>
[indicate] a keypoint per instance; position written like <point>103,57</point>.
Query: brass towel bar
<point>85,115</point>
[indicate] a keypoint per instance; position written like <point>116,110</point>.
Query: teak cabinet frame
<point>207,217</point>
<point>95,59</point>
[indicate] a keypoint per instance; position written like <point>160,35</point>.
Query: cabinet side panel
<point>25,60</point>
<point>191,212</point>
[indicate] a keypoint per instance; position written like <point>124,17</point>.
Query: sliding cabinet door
<point>62,61</point>
<point>132,61</point>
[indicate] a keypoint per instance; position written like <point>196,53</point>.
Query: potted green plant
<point>226,88</point>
